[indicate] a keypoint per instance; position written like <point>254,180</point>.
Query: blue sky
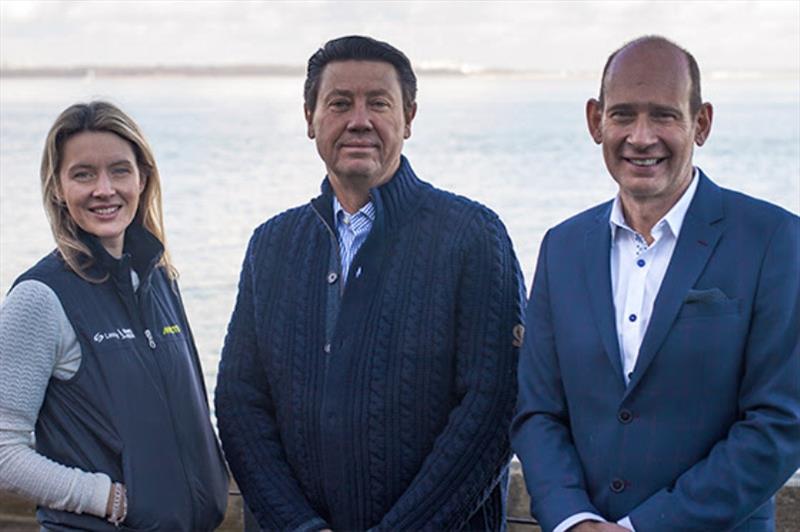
<point>541,35</point>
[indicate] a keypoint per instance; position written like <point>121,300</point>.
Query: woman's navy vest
<point>136,409</point>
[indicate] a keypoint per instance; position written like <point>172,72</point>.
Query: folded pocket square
<point>710,295</point>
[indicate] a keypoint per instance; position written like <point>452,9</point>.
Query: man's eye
<point>664,115</point>
<point>339,104</point>
<point>380,104</point>
<point>621,115</point>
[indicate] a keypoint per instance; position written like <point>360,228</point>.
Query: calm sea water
<point>233,152</point>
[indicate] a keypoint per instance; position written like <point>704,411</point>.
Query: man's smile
<point>359,145</point>
<point>645,162</point>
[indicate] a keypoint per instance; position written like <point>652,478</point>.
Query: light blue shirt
<point>353,230</point>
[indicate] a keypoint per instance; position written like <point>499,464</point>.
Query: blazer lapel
<point>597,267</point>
<point>699,235</point>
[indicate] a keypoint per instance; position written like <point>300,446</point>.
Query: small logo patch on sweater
<point>119,334</point>
<point>170,329</point>
<point>519,334</point>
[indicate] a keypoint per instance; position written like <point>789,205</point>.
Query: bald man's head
<point>656,45</point>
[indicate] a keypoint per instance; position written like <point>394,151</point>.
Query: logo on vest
<point>119,334</point>
<point>170,329</point>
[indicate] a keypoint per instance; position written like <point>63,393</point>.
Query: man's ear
<point>703,123</point>
<point>594,120</point>
<point>309,114</point>
<point>409,116</point>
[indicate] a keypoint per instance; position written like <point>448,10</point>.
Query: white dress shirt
<point>637,270</point>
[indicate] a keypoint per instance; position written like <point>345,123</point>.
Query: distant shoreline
<point>223,71</point>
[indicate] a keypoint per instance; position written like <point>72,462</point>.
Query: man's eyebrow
<point>379,92</point>
<point>338,92</point>
<point>343,92</point>
<point>620,107</point>
<point>667,108</point>
<point>650,107</point>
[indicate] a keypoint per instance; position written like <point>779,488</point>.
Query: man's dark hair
<point>695,99</point>
<point>359,48</point>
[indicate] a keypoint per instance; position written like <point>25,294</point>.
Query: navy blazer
<point>708,428</point>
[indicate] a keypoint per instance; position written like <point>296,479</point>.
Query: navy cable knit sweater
<point>385,405</point>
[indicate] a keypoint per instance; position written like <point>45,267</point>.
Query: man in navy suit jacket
<point>660,376</point>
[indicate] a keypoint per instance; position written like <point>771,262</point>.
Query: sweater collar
<point>394,201</point>
<point>141,252</point>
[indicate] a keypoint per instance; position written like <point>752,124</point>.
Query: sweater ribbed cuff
<point>98,497</point>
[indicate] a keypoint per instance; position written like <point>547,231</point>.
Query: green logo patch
<point>171,329</point>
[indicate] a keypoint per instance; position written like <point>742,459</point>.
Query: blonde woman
<point>96,355</point>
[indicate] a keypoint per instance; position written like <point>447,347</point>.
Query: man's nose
<point>642,133</point>
<point>359,117</point>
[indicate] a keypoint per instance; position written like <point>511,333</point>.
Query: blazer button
<point>625,416</point>
<point>332,277</point>
<point>617,485</point>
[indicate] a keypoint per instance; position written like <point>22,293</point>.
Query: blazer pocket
<point>708,304</point>
<point>707,295</point>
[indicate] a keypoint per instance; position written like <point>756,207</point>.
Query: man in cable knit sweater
<point>368,375</point>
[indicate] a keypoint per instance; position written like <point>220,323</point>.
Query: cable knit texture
<point>385,405</point>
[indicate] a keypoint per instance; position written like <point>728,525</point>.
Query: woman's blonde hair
<point>104,117</point>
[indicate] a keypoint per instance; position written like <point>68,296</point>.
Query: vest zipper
<point>133,302</point>
<point>150,341</point>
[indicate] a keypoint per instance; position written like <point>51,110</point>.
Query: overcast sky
<point>539,35</point>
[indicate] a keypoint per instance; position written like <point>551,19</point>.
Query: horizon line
<point>275,70</point>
